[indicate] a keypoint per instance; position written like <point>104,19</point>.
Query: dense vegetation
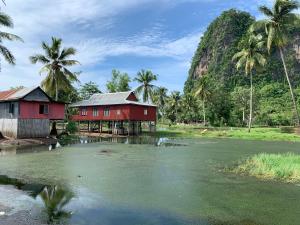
<point>228,89</point>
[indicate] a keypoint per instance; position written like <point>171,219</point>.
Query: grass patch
<point>284,167</point>
<point>267,134</point>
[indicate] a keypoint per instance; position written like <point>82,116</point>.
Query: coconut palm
<point>251,57</point>
<point>55,63</point>
<point>161,97</point>
<point>6,21</point>
<point>276,24</point>
<point>146,88</point>
<point>203,92</point>
<point>173,105</point>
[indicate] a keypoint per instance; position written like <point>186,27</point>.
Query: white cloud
<point>75,21</point>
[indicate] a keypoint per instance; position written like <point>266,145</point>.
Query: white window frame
<point>95,111</point>
<point>106,112</point>
<point>84,111</point>
<point>145,112</point>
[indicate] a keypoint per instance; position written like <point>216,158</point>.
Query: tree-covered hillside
<point>228,88</point>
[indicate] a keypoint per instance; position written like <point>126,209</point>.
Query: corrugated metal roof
<point>118,98</point>
<point>15,94</point>
<point>5,94</point>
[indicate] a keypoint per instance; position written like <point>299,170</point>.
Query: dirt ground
<point>8,142</point>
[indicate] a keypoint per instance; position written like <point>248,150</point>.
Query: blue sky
<point>129,35</point>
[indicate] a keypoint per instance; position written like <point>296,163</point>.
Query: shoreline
<point>11,142</point>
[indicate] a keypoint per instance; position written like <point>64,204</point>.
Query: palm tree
<point>146,88</point>
<point>203,92</point>
<point>278,19</point>
<point>173,105</point>
<point>6,21</point>
<point>55,62</point>
<point>161,93</point>
<point>251,57</point>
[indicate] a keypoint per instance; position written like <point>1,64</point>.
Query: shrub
<point>71,127</point>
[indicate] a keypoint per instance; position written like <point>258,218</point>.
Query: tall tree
<point>119,82</point>
<point>251,57</point>
<point>56,61</point>
<point>279,18</point>
<point>173,105</point>
<point>6,21</point>
<point>146,88</point>
<point>203,92</point>
<point>88,89</point>
<point>160,98</point>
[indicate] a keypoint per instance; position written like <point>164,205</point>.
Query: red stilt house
<point>116,109</point>
<point>27,112</point>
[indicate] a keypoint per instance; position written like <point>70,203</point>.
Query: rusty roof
<point>5,95</point>
<point>16,94</point>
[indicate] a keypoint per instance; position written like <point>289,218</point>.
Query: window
<point>95,111</point>
<point>44,109</point>
<point>106,112</point>
<point>145,112</point>
<point>83,111</point>
<point>118,112</point>
<point>11,108</point>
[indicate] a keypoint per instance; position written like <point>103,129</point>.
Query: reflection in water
<point>55,199</point>
<point>136,140</point>
<point>133,140</point>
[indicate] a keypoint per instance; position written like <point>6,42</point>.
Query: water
<point>147,181</point>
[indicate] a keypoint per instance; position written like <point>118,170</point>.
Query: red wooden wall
<point>30,110</point>
<point>127,112</point>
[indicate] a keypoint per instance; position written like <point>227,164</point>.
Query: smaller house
<point>27,112</point>
<point>122,112</point>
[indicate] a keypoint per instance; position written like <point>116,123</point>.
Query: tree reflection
<point>55,199</point>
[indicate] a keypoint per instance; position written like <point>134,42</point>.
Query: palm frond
<point>266,11</point>
<point>10,37</point>
<point>39,58</point>
<point>71,76</point>
<point>45,69</point>
<point>69,62</point>
<point>66,52</point>
<point>8,56</point>
<point>5,20</point>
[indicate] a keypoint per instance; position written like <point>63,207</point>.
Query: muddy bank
<point>10,142</point>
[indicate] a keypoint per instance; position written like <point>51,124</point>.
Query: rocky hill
<point>224,37</point>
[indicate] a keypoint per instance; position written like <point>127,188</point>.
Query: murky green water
<point>177,181</point>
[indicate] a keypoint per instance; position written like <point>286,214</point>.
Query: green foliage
<point>227,35</point>
<point>146,89</point>
<point>119,82</point>
<point>71,127</point>
<point>88,89</point>
<point>160,98</point>
<point>218,45</point>
<point>55,62</point>
<point>6,21</point>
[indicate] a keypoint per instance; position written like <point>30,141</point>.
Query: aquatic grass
<point>284,167</point>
